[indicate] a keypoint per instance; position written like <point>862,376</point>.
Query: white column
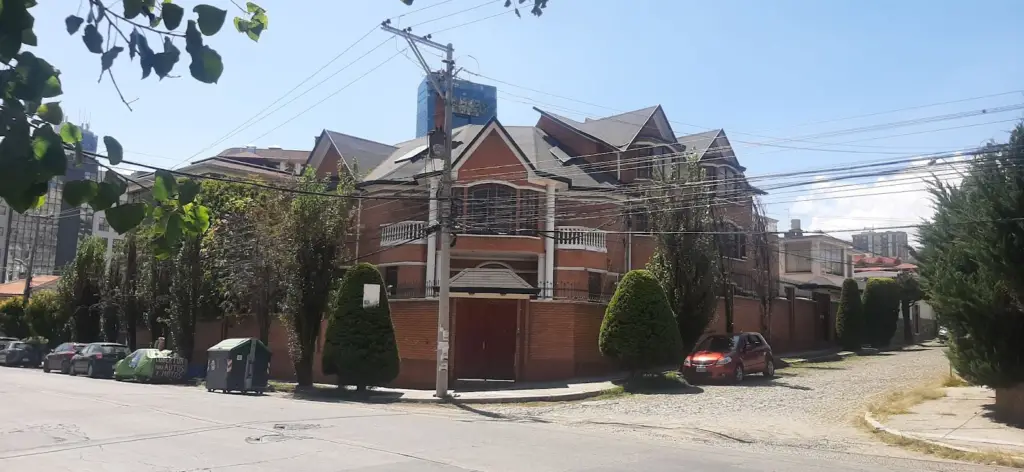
<point>432,239</point>
<point>549,241</point>
<point>541,273</point>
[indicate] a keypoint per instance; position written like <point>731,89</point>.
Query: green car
<point>151,365</point>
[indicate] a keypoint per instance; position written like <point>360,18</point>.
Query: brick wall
<point>807,333</point>
<point>550,338</point>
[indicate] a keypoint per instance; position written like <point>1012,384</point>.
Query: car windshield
<point>719,343</point>
<point>114,349</point>
<point>17,346</point>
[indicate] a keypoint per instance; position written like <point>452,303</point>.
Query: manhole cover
<point>296,426</point>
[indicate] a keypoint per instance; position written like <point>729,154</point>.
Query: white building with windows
<point>814,261</point>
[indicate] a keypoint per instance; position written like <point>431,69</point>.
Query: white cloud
<point>893,200</point>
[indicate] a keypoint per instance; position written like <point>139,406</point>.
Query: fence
<point>404,232</point>
<point>578,237</point>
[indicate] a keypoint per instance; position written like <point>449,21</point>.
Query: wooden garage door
<point>485,339</point>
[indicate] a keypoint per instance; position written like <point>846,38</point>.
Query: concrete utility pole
<point>444,89</point>
<point>31,261</point>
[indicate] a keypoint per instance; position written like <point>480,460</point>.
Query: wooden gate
<point>485,339</point>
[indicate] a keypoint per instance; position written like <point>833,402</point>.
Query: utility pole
<point>444,89</point>
<point>31,261</point>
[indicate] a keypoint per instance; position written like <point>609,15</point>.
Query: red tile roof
<point>16,288</point>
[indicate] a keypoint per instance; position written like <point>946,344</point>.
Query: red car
<point>60,358</point>
<point>729,357</point>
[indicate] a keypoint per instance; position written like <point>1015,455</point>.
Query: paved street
<point>57,422</point>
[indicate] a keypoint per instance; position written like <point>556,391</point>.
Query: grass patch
<point>899,403</point>
<point>666,382</point>
<point>955,381</point>
<point>283,387</point>
<point>994,458</point>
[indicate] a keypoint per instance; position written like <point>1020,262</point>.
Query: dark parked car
<point>729,357</point>
<point>98,359</point>
<point>19,354</point>
<point>60,358</point>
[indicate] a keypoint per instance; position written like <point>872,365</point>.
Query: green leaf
<point>70,133</point>
<point>125,217</point>
<point>154,21</point>
<point>254,8</point>
<point>164,187</point>
<point>51,112</point>
<point>199,218</point>
<point>107,196</point>
<point>48,150</point>
<point>72,23</point>
<point>115,153</point>
<point>132,8</point>
<point>174,229</point>
<point>77,192</point>
<point>242,25</point>
<point>107,59</point>
<point>407,2</point>
<point>206,65</point>
<point>93,39</point>
<point>172,15</point>
<point>165,61</point>
<point>188,191</point>
<point>210,18</point>
<point>193,39</point>
<point>51,87</point>
<point>28,37</point>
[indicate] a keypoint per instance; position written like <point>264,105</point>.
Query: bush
<point>881,310</point>
<point>639,329</point>
<point>360,345</point>
<point>850,317</point>
<point>45,317</point>
<point>12,318</point>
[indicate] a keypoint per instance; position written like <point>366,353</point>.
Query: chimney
<point>794,224</point>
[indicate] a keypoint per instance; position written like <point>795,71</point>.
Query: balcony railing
<point>578,237</point>
<point>404,232</point>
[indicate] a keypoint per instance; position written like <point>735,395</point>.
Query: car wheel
<point>738,374</point>
<point>769,368</point>
<point>65,367</point>
<point>89,372</point>
<point>46,367</point>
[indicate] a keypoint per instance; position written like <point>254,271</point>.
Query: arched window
<point>492,209</point>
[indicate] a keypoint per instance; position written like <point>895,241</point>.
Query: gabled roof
<point>699,143</point>
<point>16,288</point>
<point>618,131</point>
<point>365,153</point>
<point>484,280</point>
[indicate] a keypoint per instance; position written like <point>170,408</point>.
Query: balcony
<point>404,232</point>
<point>581,238</point>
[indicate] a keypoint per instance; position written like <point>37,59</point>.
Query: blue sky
<point>763,71</point>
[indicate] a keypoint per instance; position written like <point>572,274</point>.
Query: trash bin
<point>238,365</point>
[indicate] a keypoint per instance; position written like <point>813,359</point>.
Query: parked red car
<point>729,357</point>
<point>60,358</point>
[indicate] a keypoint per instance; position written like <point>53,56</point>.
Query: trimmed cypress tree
<point>639,329</point>
<point>850,318</point>
<point>881,310</point>
<point>360,345</point>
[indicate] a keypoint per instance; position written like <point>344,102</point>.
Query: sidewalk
<point>477,393</point>
<point>820,355</point>
<point>961,420</point>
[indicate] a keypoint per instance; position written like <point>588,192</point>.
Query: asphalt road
<point>51,422</point>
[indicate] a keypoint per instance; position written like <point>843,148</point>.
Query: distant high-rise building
<point>883,243</point>
<point>473,104</point>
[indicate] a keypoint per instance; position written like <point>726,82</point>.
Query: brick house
<point>547,221</point>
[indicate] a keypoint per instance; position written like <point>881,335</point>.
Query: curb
<point>833,356</point>
<point>878,426</point>
<point>565,397</point>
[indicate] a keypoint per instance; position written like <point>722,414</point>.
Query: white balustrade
<point>581,238</point>
<point>403,232</point>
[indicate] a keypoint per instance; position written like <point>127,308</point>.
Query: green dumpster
<point>238,365</point>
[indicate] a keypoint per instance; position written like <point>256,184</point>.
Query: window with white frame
<point>103,226</point>
<point>832,257</point>
<point>492,209</point>
<point>798,257</point>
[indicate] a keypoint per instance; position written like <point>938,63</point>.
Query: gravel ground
<point>810,407</point>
